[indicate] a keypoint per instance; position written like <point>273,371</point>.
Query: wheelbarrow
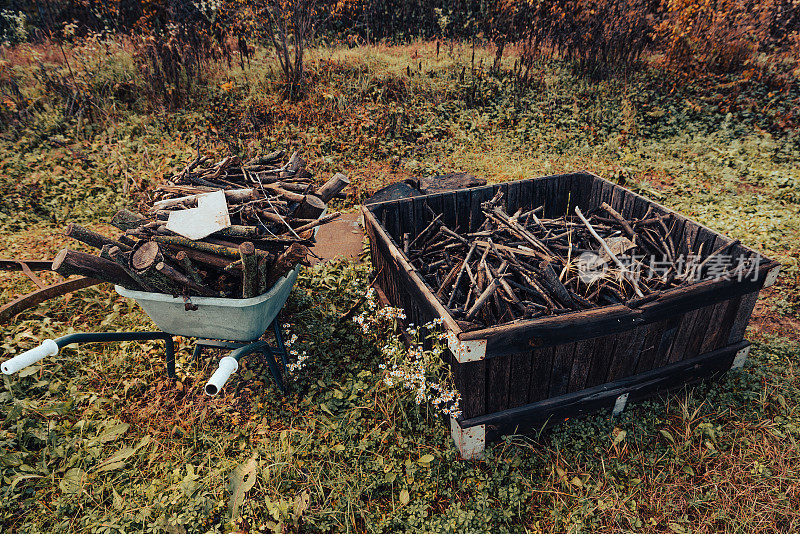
<point>215,322</point>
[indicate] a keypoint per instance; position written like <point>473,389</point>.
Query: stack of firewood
<point>523,266</point>
<point>273,210</point>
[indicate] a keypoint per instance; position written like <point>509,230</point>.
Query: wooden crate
<point>525,375</point>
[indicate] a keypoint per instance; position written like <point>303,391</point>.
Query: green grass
<point>97,440</point>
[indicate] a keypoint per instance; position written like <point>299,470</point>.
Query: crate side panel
<point>746,306</point>
<point>542,365</point>
<point>563,357</point>
<point>498,374</point>
<point>519,382</point>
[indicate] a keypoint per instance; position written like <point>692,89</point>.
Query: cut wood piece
<point>332,187</point>
<point>263,275</point>
<point>182,280</point>
<point>68,262</point>
<point>247,251</point>
<point>310,207</point>
<point>146,256</point>
<point>93,239</point>
<point>202,246</point>
<point>294,164</point>
<point>123,260</point>
<point>128,220</point>
<point>294,255</point>
<point>322,220</point>
<point>191,270</point>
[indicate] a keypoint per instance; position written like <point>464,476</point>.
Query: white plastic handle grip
<point>227,366</point>
<point>21,361</point>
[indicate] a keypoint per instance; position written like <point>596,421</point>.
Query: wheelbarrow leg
<point>281,349</point>
<point>273,367</point>
<point>197,352</point>
<point>170,358</point>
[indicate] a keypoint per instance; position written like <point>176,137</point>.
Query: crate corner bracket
<point>740,358</point>
<point>619,404</point>
<point>471,350</point>
<point>772,276</point>
<point>471,441</point>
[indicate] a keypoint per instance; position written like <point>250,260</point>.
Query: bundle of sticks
<point>271,173</point>
<point>523,266</point>
<point>270,231</point>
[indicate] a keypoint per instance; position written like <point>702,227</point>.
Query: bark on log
<point>128,220</point>
<point>249,270</point>
<point>68,262</point>
<point>284,263</point>
<point>93,239</point>
<point>332,187</point>
<point>310,208</point>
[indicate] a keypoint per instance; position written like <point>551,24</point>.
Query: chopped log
<point>263,274</point>
<point>294,255</point>
<point>191,270</point>
<point>322,220</point>
<point>205,258</point>
<point>120,258</point>
<point>68,262</point>
<point>202,246</point>
<point>146,256</point>
<point>93,239</point>
<point>310,207</point>
<point>181,279</point>
<point>237,230</point>
<point>247,252</point>
<point>128,220</point>
<point>333,187</point>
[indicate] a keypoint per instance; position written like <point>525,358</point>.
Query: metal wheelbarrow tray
<point>215,318</point>
<point>522,376</point>
<point>216,322</point>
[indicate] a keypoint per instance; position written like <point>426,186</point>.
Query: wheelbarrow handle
<point>29,357</point>
<point>227,366</point>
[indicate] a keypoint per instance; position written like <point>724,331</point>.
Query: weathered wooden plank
<point>473,394</point>
<point>618,199</point>
<point>601,359</point>
<point>512,203</point>
<point>716,325</point>
<point>683,336</point>
<point>651,334</point>
<point>667,338</point>
<point>626,354</point>
<point>498,375</point>
<point>595,196</point>
<point>563,356</point>
<point>746,306</point>
<point>580,189</point>
<point>462,210</point>
<point>519,382</point>
<point>479,195</point>
<point>581,363</point>
<point>526,194</point>
<point>701,326</point>
<point>549,412</point>
<point>541,366</point>
<point>448,210</point>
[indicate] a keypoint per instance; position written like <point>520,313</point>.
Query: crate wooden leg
<point>471,441</point>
